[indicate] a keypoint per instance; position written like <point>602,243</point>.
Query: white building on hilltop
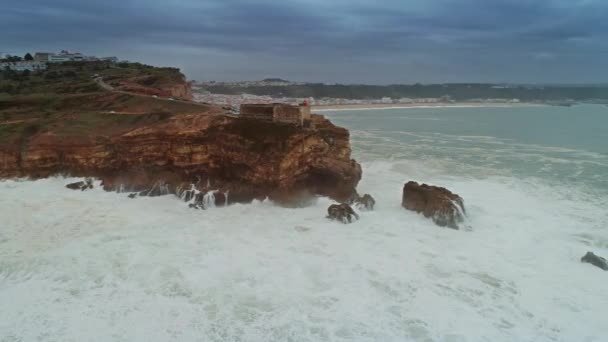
<point>66,56</point>
<point>23,65</point>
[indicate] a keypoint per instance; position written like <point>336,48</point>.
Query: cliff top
<point>82,99</point>
<point>79,78</point>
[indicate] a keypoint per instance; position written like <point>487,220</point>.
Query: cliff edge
<point>246,158</point>
<point>127,132</point>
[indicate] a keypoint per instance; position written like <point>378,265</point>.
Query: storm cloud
<point>354,41</point>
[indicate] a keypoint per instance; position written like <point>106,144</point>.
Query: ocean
<point>98,266</point>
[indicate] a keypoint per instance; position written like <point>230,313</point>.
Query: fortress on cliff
<point>278,112</point>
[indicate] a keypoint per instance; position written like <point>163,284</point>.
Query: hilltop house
<point>66,56</point>
<point>42,56</point>
<point>23,65</point>
<point>277,112</point>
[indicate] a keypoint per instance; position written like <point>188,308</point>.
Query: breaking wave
<point>99,266</point>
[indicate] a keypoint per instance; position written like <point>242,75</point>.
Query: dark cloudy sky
<point>354,41</point>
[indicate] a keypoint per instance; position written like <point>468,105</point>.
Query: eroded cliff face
<point>182,91</point>
<point>176,87</point>
<point>246,158</point>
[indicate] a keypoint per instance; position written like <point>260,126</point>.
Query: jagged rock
<point>365,202</point>
<point>82,185</point>
<point>595,260</point>
<point>160,188</point>
<point>219,199</point>
<point>445,208</point>
<point>342,212</point>
<point>199,201</point>
<point>188,195</point>
<point>209,199</point>
<point>76,185</point>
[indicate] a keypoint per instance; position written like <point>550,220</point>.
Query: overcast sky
<point>351,41</point>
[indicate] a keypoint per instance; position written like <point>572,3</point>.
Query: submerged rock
<point>76,185</point>
<point>188,195</point>
<point>595,260</point>
<point>342,212</point>
<point>445,208</point>
<point>196,206</point>
<point>199,202</point>
<point>82,185</point>
<point>365,202</point>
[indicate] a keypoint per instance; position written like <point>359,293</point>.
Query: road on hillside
<point>108,87</point>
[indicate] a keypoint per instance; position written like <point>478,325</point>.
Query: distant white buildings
<point>265,82</point>
<point>23,65</point>
<point>66,56</point>
<point>41,59</point>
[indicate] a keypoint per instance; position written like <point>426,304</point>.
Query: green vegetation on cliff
<point>79,77</point>
<point>67,100</point>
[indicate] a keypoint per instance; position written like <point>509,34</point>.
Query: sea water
<point>98,266</point>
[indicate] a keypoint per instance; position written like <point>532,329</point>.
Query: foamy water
<point>98,266</point>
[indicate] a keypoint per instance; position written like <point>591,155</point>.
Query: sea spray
<point>96,265</point>
<point>209,199</point>
<point>391,275</point>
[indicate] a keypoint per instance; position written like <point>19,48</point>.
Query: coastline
<point>422,105</point>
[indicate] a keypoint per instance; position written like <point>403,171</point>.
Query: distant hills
<point>277,87</point>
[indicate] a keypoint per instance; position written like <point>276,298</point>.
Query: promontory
<point>136,128</point>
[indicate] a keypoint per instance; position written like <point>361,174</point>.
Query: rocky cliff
<point>182,91</point>
<point>176,86</point>
<point>246,158</point>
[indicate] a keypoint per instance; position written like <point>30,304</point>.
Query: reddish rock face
<point>445,208</point>
<point>247,158</point>
<point>151,85</point>
<point>182,91</point>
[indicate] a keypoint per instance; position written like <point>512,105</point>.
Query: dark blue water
<point>565,145</point>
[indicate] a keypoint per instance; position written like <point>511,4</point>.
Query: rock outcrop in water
<point>82,185</point>
<point>342,212</point>
<point>595,260</point>
<point>445,208</point>
<point>365,202</point>
<point>248,158</point>
<point>200,200</point>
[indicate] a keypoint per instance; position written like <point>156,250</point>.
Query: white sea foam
<point>98,266</point>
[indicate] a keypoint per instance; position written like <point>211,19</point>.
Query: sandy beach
<point>423,105</point>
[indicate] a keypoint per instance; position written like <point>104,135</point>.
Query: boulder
<point>82,185</point>
<point>445,208</point>
<point>76,185</point>
<point>342,212</point>
<point>188,195</point>
<point>595,260</point>
<point>199,202</point>
<point>365,202</point>
<point>219,199</point>
<point>133,195</point>
<point>160,188</point>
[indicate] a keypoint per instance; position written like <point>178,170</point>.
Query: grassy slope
<point>77,77</point>
<point>66,100</point>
